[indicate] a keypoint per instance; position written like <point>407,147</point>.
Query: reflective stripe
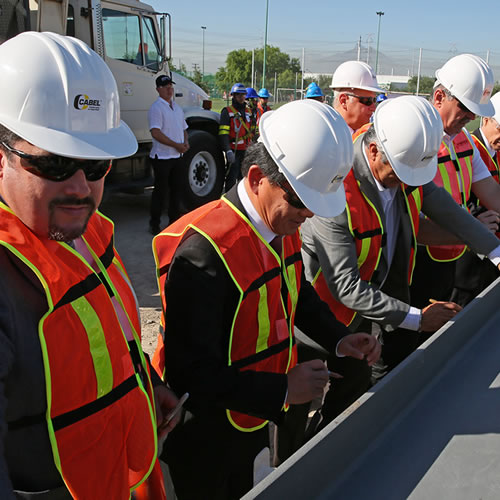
<point>292,278</point>
<point>97,345</point>
<point>363,254</point>
<point>263,318</point>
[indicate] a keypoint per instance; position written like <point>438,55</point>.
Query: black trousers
<point>209,459</point>
<point>234,171</point>
<point>166,191</point>
<point>472,276</point>
<point>292,433</point>
<point>431,280</point>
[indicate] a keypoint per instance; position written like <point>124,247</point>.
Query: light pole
<point>379,14</point>
<point>265,45</point>
<point>203,54</point>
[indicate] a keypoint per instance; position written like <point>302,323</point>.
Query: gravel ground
<point>130,213</point>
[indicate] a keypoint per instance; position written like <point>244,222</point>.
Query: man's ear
<point>3,160</point>
<point>439,97</point>
<point>254,177</point>
<point>372,151</point>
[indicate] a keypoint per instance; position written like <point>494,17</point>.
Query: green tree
<point>425,87</point>
<point>239,68</point>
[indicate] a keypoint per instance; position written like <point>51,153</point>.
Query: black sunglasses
<point>59,168</point>
<point>367,101</point>
<point>291,198</point>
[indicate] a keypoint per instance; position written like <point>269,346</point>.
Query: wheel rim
<point>202,173</point>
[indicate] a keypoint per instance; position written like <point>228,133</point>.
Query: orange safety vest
<point>100,408</point>
<point>491,163</point>
<point>261,336</point>
<point>361,130</point>
<point>456,177</point>
<point>261,111</point>
<point>365,225</point>
<point>239,128</point>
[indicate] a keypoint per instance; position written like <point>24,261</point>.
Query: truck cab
<point>134,40</point>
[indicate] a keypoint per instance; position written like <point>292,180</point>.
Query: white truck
<point>135,42</point>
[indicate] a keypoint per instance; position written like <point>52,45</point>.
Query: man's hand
<point>229,157</point>
<point>490,219</point>
<point>165,401</point>
<point>435,315</point>
<point>306,381</point>
<point>182,147</point>
<point>360,346</point>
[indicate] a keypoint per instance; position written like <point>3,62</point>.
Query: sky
<point>327,30</point>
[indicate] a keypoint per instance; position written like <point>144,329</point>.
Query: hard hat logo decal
<point>82,101</point>
<point>337,178</point>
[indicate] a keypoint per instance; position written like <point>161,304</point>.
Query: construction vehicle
<point>135,42</point>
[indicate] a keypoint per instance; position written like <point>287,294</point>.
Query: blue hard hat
<point>313,91</point>
<point>264,93</point>
<point>238,88</point>
<point>381,97</point>
<point>251,93</point>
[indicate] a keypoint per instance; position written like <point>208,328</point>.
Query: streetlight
<point>203,54</point>
<point>379,14</point>
<point>265,45</point>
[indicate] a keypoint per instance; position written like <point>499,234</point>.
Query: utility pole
<point>379,14</point>
<point>303,66</point>
<point>203,28</point>
<point>359,48</point>
<point>265,45</point>
<point>419,66</point>
<point>253,66</point>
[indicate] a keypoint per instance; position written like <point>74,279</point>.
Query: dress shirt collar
<point>253,215</point>
<point>487,144</point>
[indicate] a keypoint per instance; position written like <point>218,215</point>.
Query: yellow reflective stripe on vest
<point>263,319</point>
<point>418,202</point>
<point>223,129</point>
<point>365,249</point>
<point>97,345</point>
<point>381,229</point>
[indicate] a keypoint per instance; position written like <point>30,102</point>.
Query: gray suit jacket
<point>329,244</point>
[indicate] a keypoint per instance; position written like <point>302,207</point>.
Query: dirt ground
<point>130,213</point>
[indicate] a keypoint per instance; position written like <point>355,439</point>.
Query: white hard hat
<point>470,80</point>
<point>355,75</point>
<point>312,146</point>
<point>58,94</point>
<point>410,131</point>
<point>495,100</point>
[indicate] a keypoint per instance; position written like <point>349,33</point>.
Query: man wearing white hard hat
<point>232,286</point>
<point>355,92</point>
<point>462,91</point>
<point>472,274</point>
<point>361,261</point>
<point>77,405</point>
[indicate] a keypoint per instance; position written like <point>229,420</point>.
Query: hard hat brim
<point>487,109</point>
<point>362,87</point>
<point>118,142</point>
<point>415,176</point>
<point>322,204</point>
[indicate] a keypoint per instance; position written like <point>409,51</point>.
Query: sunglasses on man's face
<point>291,198</point>
<point>367,101</point>
<point>59,168</point>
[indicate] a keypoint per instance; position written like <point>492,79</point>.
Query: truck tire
<point>205,170</point>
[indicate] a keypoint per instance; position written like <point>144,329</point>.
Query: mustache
<point>71,200</point>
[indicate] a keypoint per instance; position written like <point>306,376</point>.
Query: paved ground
<point>130,213</point>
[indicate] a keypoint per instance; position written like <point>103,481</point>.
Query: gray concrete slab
<point>430,430</point>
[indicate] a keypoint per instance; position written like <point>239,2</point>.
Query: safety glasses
<point>291,198</point>
<point>59,168</point>
<point>367,101</point>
